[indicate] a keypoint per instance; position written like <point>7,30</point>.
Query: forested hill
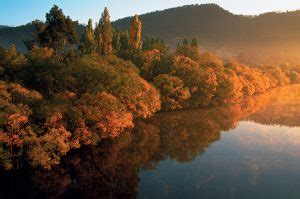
<point>270,37</point>
<point>17,35</point>
<point>1,26</point>
<point>202,20</point>
<point>211,22</point>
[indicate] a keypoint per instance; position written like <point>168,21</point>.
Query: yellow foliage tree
<point>136,33</point>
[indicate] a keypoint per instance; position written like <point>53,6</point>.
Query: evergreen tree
<point>152,42</point>
<point>146,43</point>
<point>104,34</point>
<point>71,31</point>
<point>191,51</point>
<point>124,41</point>
<point>185,42</point>
<point>88,40</point>
<point>116,44</point>
<point>136,33</point>
<point>58,32</point>
<point>155,44</point>
<point>195,42</point>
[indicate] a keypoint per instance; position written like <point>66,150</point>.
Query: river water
<point>248,150</point>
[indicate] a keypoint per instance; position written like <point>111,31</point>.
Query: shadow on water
<point>112,169</point>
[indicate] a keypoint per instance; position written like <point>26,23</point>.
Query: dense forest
<point>270,38</point>
<point>70,90</point>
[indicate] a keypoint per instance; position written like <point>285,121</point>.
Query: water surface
<point>249,150</point>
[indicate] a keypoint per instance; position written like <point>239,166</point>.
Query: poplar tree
<point>116,45</point>
<point>136,33</point>
<point>88,39</point>
<point>104,34</point>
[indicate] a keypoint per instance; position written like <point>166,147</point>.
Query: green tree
<point>155,44</point>
<point>87,44</point>
<point>11,62</point>
<point>195,42</point>
<point>124,41</point>
<point>146,43</point>
<point>58,32</point>
<point>191,51</point>
<point>116,40</point>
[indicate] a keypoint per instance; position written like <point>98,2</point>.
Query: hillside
<point>211,22</point>
<point>1,26</point>
<point>16,35</point>
<point>267,38</point>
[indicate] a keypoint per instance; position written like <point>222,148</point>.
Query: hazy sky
<point>17,12</point>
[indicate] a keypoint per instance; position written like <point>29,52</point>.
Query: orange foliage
<point>15,130</point>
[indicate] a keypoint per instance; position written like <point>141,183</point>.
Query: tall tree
<point>116,45</point>
<point>124,41</point>
<point>87,44</point>
<point>147,43</point>
<point>71,31</point>
<point>136,33</point>
<point>59,31</point>
<point>104,34</point>
<point>98,39</point>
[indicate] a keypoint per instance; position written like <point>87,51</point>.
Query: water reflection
<point>242,151</point>
<point>284,108</point>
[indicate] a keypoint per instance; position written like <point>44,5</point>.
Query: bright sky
<point>18,12</point>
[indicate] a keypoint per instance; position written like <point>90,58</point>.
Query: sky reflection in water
<point>252,160</point>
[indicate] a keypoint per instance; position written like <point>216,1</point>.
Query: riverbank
<point>224,140</point>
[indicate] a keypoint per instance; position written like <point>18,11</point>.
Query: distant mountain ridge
<point>210,20</point>
<point>270,36</point>
<point>3,26</point>
<point>16,35</point>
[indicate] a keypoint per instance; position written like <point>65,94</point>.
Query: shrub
<point>172,90</point>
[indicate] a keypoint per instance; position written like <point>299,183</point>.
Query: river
<point>248,150</point>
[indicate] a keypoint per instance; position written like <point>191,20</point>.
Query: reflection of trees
<point>111,169</point>
<point>284,108</point>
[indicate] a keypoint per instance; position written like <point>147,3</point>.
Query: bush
<point>172,90</point>
<point>277,76</point>
<point>229,88</point>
